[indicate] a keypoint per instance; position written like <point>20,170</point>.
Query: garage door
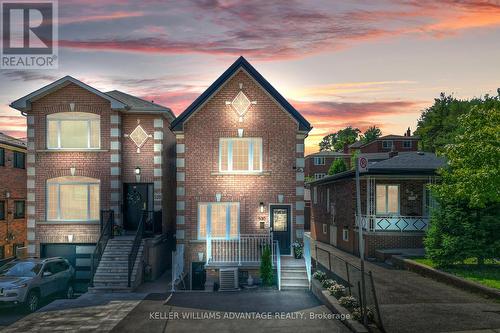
<point>79,257</point>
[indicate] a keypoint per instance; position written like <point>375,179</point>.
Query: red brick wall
<point>377,146</point>
<point>12,180</point>
<point>202,180</point>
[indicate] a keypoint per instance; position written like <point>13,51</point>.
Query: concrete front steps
<point>112,273</point>
<point>293,274</point>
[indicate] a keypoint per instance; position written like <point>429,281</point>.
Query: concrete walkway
<point>412,303</point>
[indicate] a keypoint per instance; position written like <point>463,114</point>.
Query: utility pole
<point>360,239</point>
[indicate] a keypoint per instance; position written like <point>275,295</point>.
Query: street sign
<point>363,164</point>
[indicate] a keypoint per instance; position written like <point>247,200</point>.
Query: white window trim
<point>319,175</point>
<point>345,234</point>
<point>385,144</point>
<point>58,184</point>
<point>386,213</point>
<point>317,159</point>
<point>209,222</point>
<point>53,117</point>
<point>250,156</point>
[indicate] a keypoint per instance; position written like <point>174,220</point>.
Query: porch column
<point>115,167</point>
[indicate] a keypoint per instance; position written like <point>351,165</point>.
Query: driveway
<point>245,311</point>
<point>412,303</point>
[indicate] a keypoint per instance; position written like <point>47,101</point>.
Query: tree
<point>266,267</point>
<point>337,166</point>
<point>336,141</point>
<point>466,224</point>
<point>372,133</point>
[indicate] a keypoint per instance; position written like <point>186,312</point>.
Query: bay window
<point>387,200</point>
<point>240,155</point>
<point>73,130</point>
<point>73,199</point>
<point>219,220</point>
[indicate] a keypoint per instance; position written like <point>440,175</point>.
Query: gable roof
<point>136,104</point>
<point>240,63</point>
<point>359,143</point>
<point>23,104</point>
<point>328,153</point>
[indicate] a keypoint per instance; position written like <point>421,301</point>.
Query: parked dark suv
<point>27,281</point>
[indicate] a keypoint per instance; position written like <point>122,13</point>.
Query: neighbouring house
<point>12,195</point>
<point>95,162</point>
<point>395,203</point>
<point>318,164</point>
<point>240,177</point>
<point>380,148</point>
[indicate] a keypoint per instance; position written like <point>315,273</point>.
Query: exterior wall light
<point>70,238</point>
<point>137,174</point>
<point>261,207</point>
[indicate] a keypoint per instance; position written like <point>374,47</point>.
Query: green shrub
<point>348,302</point>
<point>337,166</point>
<point>337,290</point>
<point>266,267</point>
<point>328,283</point>
<point>370,315</point>
<point>320,276</point>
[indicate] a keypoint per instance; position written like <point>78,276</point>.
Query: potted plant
<point>298,250</point>
<point>117,230</point>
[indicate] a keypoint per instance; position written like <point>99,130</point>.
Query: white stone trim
<point>115,184</point>
<point>115,145</point>
<point>31,132</point>
<point>31,145</point>
<point>30,235</point>
<point>180,219</point>
<point>31,223</point>
<point>181,176</point>
<point>115,119</point>
<point>115,132</point>
<point>30,120</point>
<point>179,136</point>
<point>180,190</point>
<point>301,136</point>
<point>115,158</point>
<point>180,148</point>
<point>299,177</point>
<point>157,207</point>
<point>179,234</point>
<point>157,147</point>
<point>30,184</point>
<point>181,205</point>
<point>158,135</point>
<point>30,171</point>
<point>157,172</point>
<point>30,197</point>
<point>157,160</point>
<point>158,123</point>
<point>157,185</point>
<point>299,233</point>
<point>300,162</point>
<point>180,162</point>
<point>30,158</point>
<point>299,190</point>
<point>31,209</point>
<point>299,205</point>
<point>299,219</point>
<point>115,196</point>
<point>115,171</point>
<point>31,249</point>
<point>299,148</point>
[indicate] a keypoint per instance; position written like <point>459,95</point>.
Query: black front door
<point>281,226</point>
<point>136,199</point>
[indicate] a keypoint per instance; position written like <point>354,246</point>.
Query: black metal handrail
<point>139,234</point>
<point>107,220</point>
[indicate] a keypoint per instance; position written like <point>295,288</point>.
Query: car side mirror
<point>46,273</point>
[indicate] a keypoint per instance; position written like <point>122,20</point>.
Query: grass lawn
<point>488,275</point>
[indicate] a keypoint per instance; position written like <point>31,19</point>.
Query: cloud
<point>337,89</point>
<point>13,125</point>
<point>268,30</point>
<point>29,75</point>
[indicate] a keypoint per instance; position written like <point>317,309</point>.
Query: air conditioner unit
<point>228,279</point>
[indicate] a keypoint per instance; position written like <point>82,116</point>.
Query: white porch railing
<point>394,223</point>
<point>246,249</point>
<point>307,254</point>
<point>277,263</point>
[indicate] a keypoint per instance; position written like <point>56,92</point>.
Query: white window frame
<point>209,217</point>
<point>58,184</point>
<point>252,142</point>
<point>386,145</point>
<point>387,213</point>
<point>407,142</point>
<point>320,175</point>
<point>62,116</point>
<point>345,234</point>
<point>319,160</point>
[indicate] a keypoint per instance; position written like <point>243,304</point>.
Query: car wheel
<point>70,293</point>
<point>32,301</point>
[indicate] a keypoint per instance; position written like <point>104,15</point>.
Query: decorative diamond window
<point>241,103</point>
<point>139,136</point>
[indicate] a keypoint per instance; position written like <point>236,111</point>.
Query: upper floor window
<point>73,199</point>
<point>319,161</point>
<point>2,156</point>
<point>19,160</point>
<point>387,144</point>
<point>218,220</point>
<point>19,209</point>
<point>73,130</point>
<point>387,200</point>
<point>407,144</point>
<point>240,155</point>
<point>2,210</point>
<point>319,175</point>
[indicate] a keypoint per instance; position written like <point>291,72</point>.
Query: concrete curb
<point>427,271</point>
<point>334,306</point>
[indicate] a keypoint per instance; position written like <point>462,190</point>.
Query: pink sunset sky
<point>339,63</point>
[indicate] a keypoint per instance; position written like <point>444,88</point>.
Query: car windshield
<point>20,269</point>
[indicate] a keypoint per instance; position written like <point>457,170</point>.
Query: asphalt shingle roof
<point>11,141</point>
<point>138,104</point>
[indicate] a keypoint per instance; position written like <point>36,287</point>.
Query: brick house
<point>12,195</point>
<point>382,146</point>
<point>318,164</point>
<point>395,204</point>
<point>240,160</point>
<point>90,151</point>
